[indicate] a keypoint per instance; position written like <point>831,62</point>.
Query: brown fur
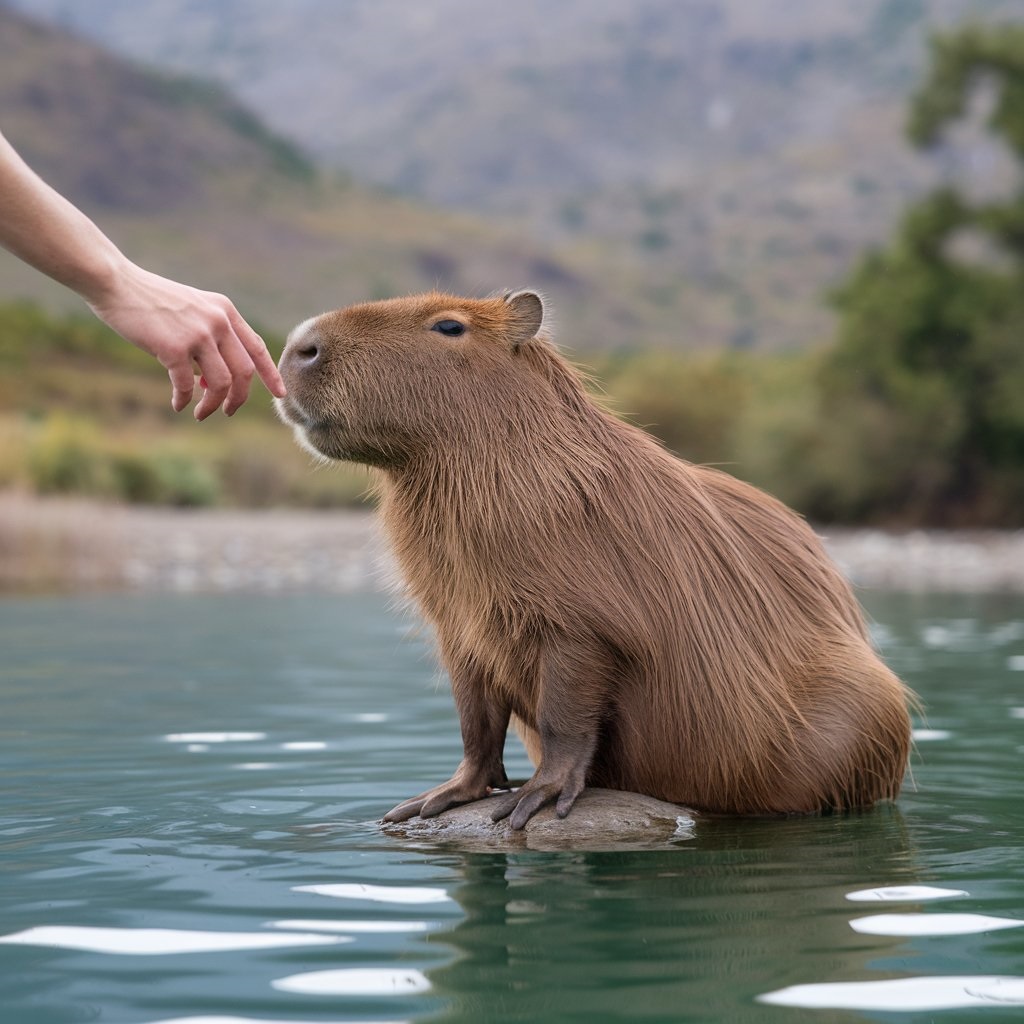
<point>648,624</point>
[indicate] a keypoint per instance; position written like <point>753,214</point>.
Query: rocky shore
<point>72,545</point>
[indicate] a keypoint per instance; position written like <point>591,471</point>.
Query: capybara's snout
<point>301,365</point>
<point>302,353</point>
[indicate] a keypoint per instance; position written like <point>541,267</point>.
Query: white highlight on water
<point>250,1020</point>
<point>304,745</point>
<point>930,734</point>
<point>903,894</point>
<point>215,737</point>
<point>353,927</point>
<point>356,981</point>
<point>931,924</point>
<point>1015,662</point>
<point>370,716</point>
<point>377,893</point>
<point>934,993</point>
<point>158,941</point>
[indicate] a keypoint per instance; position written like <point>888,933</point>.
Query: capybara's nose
<point>306,353</point>
<point>302,352</point>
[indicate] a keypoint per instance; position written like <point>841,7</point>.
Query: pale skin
<point>183,328</point>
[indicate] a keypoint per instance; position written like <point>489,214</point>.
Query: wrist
<point>108,275</point>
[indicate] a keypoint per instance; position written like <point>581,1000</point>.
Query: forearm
<point>183,327</point>
<point>39,226</point>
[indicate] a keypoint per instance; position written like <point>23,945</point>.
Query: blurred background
<point>786,236</point>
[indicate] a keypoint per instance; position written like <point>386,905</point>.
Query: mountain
<point>192,184</point>
<point>718,163</point>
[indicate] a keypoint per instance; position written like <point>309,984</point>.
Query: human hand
<point>184,328</point>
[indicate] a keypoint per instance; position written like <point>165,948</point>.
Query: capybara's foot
<point>436,800</point>
<point>462,788</point>
<point>520,806</point>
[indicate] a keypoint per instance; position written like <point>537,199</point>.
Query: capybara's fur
<point>648,624</point>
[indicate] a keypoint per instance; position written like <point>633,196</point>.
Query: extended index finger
<point>257,349</point>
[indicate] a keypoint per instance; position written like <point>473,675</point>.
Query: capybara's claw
<point>405,810</point>
<point>520,806</point>
<point>435,801</point>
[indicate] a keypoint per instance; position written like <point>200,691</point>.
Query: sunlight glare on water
<point>188,833</point>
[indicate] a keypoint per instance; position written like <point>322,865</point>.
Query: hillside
<point>191,184</point>
<point>725,160</point>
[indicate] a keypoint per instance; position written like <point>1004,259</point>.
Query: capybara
<point>647,624</point>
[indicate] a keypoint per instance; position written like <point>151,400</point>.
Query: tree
<point>924,391</point>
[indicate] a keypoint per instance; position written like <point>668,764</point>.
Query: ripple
<point>355,927</point>
<point>931,924</point>
<point>215,737</point>
<point>356,981</point>
<point>304,745</point>
<point>924,993</point>
<point>243,1020</point>
<point>903,894</point>
<point>1015,663</point>
<point>931,734</point>
<point>377,893</point>
<point>157,941</point>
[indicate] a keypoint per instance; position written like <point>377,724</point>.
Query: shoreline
<point>75,545</point>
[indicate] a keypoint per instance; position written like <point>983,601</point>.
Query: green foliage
<point>66,458</point>
<point>921,411</point>
<point>691,403</point>
<point>86,413</point>
<point>960,60</point>
<point>164,478</point>
<point>28,333</point>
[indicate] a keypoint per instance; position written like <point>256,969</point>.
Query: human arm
<point>180,326</point>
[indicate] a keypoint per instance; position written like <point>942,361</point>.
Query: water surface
<point>188,832</point>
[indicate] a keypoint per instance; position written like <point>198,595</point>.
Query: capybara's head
<point>381,382</point>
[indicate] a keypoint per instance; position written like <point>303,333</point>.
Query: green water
<point>116,819</point>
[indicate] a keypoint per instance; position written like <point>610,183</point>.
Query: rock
<point>602,819</point>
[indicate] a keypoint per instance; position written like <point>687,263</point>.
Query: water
<point>187,832</point>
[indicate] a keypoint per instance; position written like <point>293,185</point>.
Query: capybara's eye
<point>449,328</point>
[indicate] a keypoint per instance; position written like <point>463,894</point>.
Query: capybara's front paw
<point>465,786</point>
<point>436,800</point>
<point>520,806</point>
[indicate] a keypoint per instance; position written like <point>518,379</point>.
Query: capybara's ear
<point>528,310</point>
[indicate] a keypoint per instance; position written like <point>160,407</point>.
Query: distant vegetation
<point>913,416</point>
<point>916,414</point>
<point>85,413</point>
<point>923,395</point>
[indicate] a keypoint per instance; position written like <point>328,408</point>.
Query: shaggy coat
<point>646,624</point>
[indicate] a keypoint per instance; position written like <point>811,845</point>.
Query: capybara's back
<point>648,624</point>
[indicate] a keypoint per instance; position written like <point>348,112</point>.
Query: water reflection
<point>139,798</point>
<point>691,933</point>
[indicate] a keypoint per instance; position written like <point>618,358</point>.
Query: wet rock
<point>602,819</point>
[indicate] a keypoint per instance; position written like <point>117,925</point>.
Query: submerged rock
<point>602,819</point>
